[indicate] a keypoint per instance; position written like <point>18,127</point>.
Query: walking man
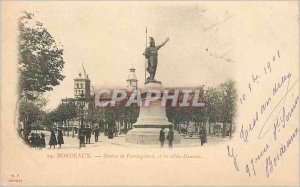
<point>88,133</point>
<point>97,131</point>
<point>162,137</point>
<point>115,131</point>
<point>202,136</point>
<point>170,137</point>
<point>60,138</point>
<point>81,136</point>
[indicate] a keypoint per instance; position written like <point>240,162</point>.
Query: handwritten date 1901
<point>257,76</point>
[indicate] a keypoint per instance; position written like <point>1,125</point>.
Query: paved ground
<point>71,143</point>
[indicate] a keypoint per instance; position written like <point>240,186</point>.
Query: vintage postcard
<point>149,93</point>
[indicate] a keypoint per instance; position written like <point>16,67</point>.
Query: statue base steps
<point>151,119</point>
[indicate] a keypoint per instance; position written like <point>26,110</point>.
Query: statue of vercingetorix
<point>151,53</point>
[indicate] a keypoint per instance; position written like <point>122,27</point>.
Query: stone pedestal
<point>151,119</point>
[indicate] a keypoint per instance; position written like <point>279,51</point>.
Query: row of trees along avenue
<point>40,65</point>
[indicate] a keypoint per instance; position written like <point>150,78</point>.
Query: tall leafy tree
<point>40,64</point>
<point>40,58</point>
<point>229,104</point>
<point>213,97</point>
<point>64,113</point>
<point>48,120</point>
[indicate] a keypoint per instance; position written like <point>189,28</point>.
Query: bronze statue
<point>151,53</point>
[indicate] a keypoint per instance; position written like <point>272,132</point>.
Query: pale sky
<point>110,39</point>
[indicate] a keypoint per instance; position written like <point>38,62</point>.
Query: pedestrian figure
<point>43,141</point>
<point>105,131</point>
<point>60,138</point>
<point>88,134</point>
<point>81,136</point>
<point>38,141</point>
<point>97,132</point>
<point>110,133</point>
<point>202,135</point>
<point>116,131</point>
<point>31,140</point>
<point>170,137</point>
<point>52,141</point>
<point>162,137</point>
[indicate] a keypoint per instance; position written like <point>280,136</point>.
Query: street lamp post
<point>81,103</point>
<point>73,129</point>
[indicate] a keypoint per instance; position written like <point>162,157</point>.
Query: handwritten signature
<point>266,127</point>
<point>280,120</point>
<point>270,118</point>
<point>273,161</point>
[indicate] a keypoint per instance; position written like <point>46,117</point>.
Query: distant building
<point>132,80</point>
<point>82,86</point>
<point>68,100</point>
<point>82,92</point>
<point>82,89</point>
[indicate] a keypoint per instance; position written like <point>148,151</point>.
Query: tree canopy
<point>40,58</point>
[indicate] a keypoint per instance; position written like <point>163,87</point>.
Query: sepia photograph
<point>149,93</point>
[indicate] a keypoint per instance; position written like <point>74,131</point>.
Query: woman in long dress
<point>52,141</point>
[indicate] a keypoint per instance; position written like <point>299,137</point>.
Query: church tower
<point>82,86</point>
<point>132,80</point>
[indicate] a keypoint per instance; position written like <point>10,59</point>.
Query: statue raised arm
<point>151,54</point>
<point>159,46</point>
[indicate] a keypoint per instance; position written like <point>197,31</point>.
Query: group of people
<point>111,132</point>
<point>56,140</point>
<point>84,135</point>
<point>170,137</point>
<point>37,140</point>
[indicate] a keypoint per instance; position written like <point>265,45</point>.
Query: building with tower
<point>82,89</point>
<point>82,86</point>
<point>83,98</point>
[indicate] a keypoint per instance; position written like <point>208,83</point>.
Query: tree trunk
<point>68,133</point>
<point>230,130</point>
<point>224,130</point>
<point>125,128</point>
<point>73,133</point>
<point>63,127</point>
<point>26,131</point>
